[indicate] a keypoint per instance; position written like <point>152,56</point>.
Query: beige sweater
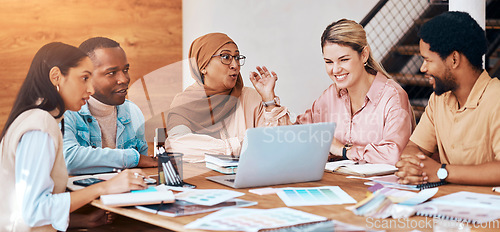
<point>10,205</point>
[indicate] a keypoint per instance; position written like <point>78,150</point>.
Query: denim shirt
<point>83,150</point>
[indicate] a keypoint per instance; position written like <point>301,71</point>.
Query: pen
<point>172,173</point>
<point>146,179</point>
<point>176,174</point>
<point>166,173</point>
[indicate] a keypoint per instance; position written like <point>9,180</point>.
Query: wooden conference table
<point>196,173</point>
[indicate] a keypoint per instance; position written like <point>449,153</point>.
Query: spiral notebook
<point>463,206</point>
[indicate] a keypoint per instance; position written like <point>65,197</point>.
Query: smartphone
<point>87,182</point>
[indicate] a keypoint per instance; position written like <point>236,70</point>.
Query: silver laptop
<point>281,155</point>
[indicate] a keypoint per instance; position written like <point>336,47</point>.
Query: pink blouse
<point>379,131</point>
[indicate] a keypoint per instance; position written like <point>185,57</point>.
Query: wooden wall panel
<point>150,32</point>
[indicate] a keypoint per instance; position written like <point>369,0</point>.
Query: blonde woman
<point>372,112</point>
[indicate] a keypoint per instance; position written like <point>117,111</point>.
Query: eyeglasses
<point>227,59</point>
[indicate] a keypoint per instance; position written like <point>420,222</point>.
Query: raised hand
<point>264,82</point>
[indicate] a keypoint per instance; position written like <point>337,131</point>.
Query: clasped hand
<point>417,169</point>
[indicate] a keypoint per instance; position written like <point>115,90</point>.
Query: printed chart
<point>327,195</point>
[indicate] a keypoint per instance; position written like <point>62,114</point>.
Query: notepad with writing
<point>353,168</point>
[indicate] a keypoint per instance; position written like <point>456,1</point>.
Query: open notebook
<point>353,168</point>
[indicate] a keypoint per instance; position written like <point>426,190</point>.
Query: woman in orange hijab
<point>212,115</point>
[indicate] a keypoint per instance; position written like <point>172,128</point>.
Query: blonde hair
<point>350,33</point>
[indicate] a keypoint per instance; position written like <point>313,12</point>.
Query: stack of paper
<point>222,163</point>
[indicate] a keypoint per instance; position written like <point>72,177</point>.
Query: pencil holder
<point>170,168</point>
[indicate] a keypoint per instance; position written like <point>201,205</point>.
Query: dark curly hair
<point>455,31</point>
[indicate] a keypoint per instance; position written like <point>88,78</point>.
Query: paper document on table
<point>466,206</point>
<point>470,199</point>
<point>391,181</point>
<point>326,195</point>
<point>208,196</point>
<point>422,196</point>
<point>238,219</point>
<point>181,208</point>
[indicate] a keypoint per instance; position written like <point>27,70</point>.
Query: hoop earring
<point>366,63</point>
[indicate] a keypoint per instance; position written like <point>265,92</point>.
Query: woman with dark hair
<point>34,198</point>
<point>212,115</point>
<point>372,112</point>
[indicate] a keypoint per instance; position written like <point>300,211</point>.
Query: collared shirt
<point>83,150</point>
<point>464,136</point>
<point>33,182</point>
<point>379,130</point>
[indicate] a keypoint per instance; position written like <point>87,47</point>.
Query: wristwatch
<point>275,102</point>
<point>345,149</point>
<point>442,173</point>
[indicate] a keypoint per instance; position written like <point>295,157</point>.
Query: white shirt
<point>35,156</point>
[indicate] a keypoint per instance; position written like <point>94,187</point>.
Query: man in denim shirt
<point>108,132</point>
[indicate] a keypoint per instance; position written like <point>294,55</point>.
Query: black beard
<point>448,84</point>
